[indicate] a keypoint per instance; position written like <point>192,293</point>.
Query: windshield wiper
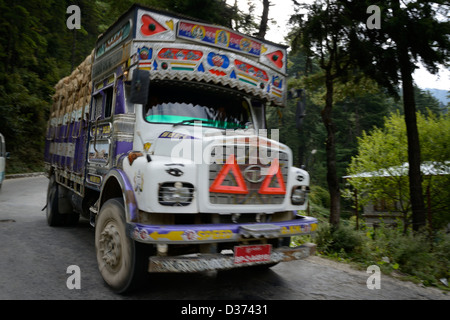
<point>187,121</point>
<point>213,122</point>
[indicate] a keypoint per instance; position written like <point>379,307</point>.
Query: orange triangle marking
<point>150,26</point>
<point>274,170</point>
<point>232,165</point>
<point>276,58</point>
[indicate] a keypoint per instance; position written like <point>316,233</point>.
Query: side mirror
<point>7,155</point>
<point>139,86</point>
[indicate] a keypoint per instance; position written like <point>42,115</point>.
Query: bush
<point>341,239</point>
<point>347,239</point>
<point>441,256</point>
<point>323,238</point>
<point>319,196</point>
<point>411,252</point>
<point>319,202</point>
<point>415,256</point>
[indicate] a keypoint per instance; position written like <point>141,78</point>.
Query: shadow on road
<point>223,285</point>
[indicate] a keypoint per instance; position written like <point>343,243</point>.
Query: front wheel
<point>120,259</point>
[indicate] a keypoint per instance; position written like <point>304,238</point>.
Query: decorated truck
<point>159,138</point>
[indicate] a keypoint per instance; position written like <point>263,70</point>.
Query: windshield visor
<point>196,105</point>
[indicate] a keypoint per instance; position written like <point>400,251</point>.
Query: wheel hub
<point>110,246</point>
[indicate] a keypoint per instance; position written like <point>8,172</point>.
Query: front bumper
<point>217,262</point>
<point>213,233</point>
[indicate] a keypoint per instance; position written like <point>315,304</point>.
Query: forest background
<point>37,49</point>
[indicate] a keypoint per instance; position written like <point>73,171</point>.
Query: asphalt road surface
<point>35,260</point>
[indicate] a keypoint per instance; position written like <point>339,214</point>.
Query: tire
<point>121,261</point>
<point>54,217</point>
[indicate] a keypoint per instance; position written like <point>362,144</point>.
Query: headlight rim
<point>167,190</point>
<point>303,195</point>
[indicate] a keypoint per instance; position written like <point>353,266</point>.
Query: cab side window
<point>108,101</point>
<point>97,106</point>
<point>102,104</point>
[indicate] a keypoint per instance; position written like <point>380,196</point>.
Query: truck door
<point>100,141</point>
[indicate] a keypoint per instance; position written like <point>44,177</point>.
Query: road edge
<point>23,175</point>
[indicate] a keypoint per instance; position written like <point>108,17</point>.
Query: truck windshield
<point>192,105</point>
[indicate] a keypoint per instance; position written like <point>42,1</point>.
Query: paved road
<point>34,259</point>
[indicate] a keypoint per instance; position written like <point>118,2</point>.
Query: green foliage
<point>390,57</point>
<point>213,11</point>
<point>341,240</point>
<point>23,115</point>
<point>417,255</point>
<point>426,102</point>
<point>383,152</point>
<point>379,54</point>
<point>319,196</point>
<point>36,51</point>
<point>414,257</point>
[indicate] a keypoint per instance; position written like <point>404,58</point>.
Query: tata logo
<point>253,174</point>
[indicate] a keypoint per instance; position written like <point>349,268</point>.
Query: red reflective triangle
<point>150,26</point>
<point>274,170</point>
<point>232,165</point>
<point>276,58</point>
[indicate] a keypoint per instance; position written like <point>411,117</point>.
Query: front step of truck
<point>247,244</point>
<point>243,256</point>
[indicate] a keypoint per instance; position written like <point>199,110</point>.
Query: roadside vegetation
<point>366,119</point>
<point>376,172</point>
<point>422,258</point>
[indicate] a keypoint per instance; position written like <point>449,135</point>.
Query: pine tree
<point>410,31</point>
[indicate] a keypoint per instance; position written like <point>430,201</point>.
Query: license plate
<point>254,253</point>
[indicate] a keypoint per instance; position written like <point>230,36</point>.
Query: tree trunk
<point>409,105</point>
<point>264,20</point>
<point>332,178</point>
<point>415,176</point>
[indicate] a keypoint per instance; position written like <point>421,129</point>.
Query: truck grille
<point>253,171</point>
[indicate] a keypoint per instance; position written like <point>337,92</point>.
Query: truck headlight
<point>175,193</point>
<point>299,195</point>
